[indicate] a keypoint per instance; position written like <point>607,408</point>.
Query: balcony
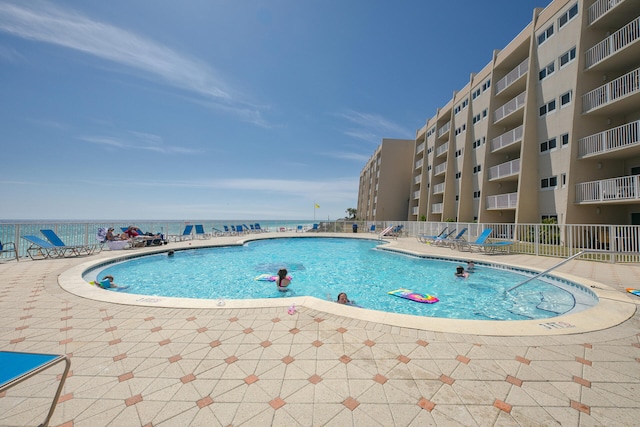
<point>444,129</point>
<point>417,179</point>
<point>600,8</point>
<point>509,108</point>
<point>624,37</point>
<point>612,143</point>
<point>420,148</point>
<point>502,201</point>
<point>504,171</point>
<point>436,208</point>
<point>416,195</point>
<point>610,93</point>
<point>438,188</point>
<point>414,210</point>
<point>513,76</point>
<point>614,190</point>
<point>507,139</point>
<point>419,163</point>
<point>440,169</point>
<point>442,149</point>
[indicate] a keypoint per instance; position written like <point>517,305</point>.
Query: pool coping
<point>613,307</point>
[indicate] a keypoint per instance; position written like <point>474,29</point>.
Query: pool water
<point>324,267</point>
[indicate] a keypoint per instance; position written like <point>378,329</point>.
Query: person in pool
<point>460,273</point>
<point>343,299</point>
<point>107,282</point>
<point>282,282</point>
<point>470,266</point>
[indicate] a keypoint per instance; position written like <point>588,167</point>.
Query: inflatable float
<point>635,292</point>
<point>413,296</point>
<point>269,277</point>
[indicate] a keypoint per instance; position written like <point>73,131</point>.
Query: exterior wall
<point>550,127</point>
<point>382,195</point>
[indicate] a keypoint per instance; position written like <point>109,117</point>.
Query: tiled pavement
<point>139,366</point>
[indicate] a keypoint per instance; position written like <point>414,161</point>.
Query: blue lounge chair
<point>7,248</point>
<point>372,229</point>
<point>41,249</point>
<point>76,249</point>
<point>482,243</point>
<point>258,228</point>
<point>453,241</point>
<point>200,233</point>
<point>19,366</point>
<point>315,228</point>
<point>424,238</point>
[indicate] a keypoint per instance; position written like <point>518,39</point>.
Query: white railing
<point>416,194</point>
<point>436,208</point>
<point>618,88</point>
<point>419,163</point>
<point>601,7</point>
<point>441,168</point>
<point>502,201</point>
<point>616,41</point>
<point>505,169</point>
<point>442,149</point>
<point>444,129</point>
<point>420,148</point>
<point>507,138</point>
<point>512,76</point>
<point>438,188</point>
<point>414,210</point>
<point>510,107</point>
<point>608,190</point>
<point>417,179</point>
<point>612,139</point>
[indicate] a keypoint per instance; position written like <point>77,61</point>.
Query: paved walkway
<point>139,366</point>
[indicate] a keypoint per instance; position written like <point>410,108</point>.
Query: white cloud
<point>373,127</point>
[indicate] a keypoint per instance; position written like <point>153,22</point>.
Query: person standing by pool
<point>282,281</point>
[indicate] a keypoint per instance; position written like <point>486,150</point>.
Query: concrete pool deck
<point>246,365</point>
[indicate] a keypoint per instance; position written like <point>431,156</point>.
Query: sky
<point>223,109</point>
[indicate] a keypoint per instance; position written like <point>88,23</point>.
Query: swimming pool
<point>323,267</point>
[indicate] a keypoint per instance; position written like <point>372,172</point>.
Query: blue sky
<point>222,109</point>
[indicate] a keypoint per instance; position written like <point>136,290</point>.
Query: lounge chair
<point>77,249</point>
<point>299,229</point>
<point>217,232</point>
<point>200,233</point>
<point>8,248</point>
<point>19,366</point>
<point>451,242</point>
<point>229,232</point>
<point>186,234</point>
<point>372,229</point>
<point>147,238</point>
<point>482,243</point>
<point>41,249</point>
<point>315,228</point>
<point>258,228</point>
<point>424,238</point>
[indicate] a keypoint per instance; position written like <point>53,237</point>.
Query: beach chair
<point>7,248</point>
<point>228,231</point>
<point>482,243</point>
<point>453,241</point>
<point>315,228</point>
<point>76,249</point>
<point>145,240</point>
<point>186,234</point>
<point>217,232</point>
<point>19,366</point>
<point>372,229</point>
<point>258,228</point>
<point>424,238</point>
<point>41,249</point>
<point>299,229</point>
<point>200,233</point>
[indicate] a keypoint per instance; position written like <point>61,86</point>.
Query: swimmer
<point>170,253</point>
<point>343,299</point>
<point>460,273</point>
<point>107,282</point>
<point>470,266</point>
<point>282,282</point>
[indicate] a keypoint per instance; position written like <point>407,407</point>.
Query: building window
<point>476,93</point>
<point>547,108</point>
<point>477,169</point>
<point>458,175</point>
<point>565,98</point>
<point>563,180</point>
<point>476,194</point>
<point>429,167</point>
<point>564,139</point>
<point>429,150</point>
<point>549,217</point>
<point>546,71</point>
<point>461,129</point>
<point>568,16</point>
<point>484,113</point>
<point>478,142</point>
<point>548,145</point>
<point>486,85</point>
<point>544,36</point>
<point>458,153</point>
<point>567,57</point>
<point>549,183</point>
<point>457,197</point>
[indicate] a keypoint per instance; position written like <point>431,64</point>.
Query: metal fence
<point>615,243</point>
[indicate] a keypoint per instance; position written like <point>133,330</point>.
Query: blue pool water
<point>324,267</point>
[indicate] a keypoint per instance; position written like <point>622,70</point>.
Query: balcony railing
<point>444,129</point>
<point>618,88</point>
<point>510,107</point>
<point>616,41</point>
<point>607,190</point>
<point>436,208</point>
<point>441,168</point>
<point>414,210</point>
<point>442,149</point>
<point>612,139</point>
<point>601,7</point>
<point>502,201</point>
<point>416,194</point>
<point>417,179</point>
<point>507,138</point>
<point>505,169</point>
<point>419,163</point>
<point>512,76</point>
<point>438,188</point>
<point>420,148</point>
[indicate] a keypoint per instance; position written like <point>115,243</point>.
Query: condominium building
<point>549,128</point>
<point>383,181</point>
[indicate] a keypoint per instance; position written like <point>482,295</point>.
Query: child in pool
<point>470,266</point>
<point>460,273</point>
<point>282,282</point>
<point>107,282</point>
